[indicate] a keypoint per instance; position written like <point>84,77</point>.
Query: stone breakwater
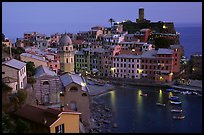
<point>101,118</point>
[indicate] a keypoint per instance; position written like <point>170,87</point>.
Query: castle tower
<point>141,13</point>
<point>66,52</point>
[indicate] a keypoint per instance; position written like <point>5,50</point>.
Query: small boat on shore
<point>170,90</point>
<point>143,95</point>
<point>186,92</point>
<point>174,98</point>
<point>160,104</point>
<point>176,103</point>
<point>176,110</point>
<point>178,117</point>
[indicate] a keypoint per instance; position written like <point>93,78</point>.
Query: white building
<point>17,70</point>
<point>126,66</point>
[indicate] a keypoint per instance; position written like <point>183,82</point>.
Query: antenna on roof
<point>10,51</point>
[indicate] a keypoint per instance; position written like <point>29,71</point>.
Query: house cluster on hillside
<point>62,61</point>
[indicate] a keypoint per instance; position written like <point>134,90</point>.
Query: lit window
<point>59,129</point>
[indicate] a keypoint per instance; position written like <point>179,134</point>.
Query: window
<point>45,83</point>
<point>21,84</point>
<point>132,66</point>
<point>73,89</point>
<point>121,65</point>
<point>71,60</point>
<point>59,129</point>
<point>124,65</point>
<point>3,72</point>
<point>84,94</point>
<point>166,67</point>
<point>137,66</point>
<point>67,60</point>
<point>55,65</point>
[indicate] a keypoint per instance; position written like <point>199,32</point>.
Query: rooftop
<point>128,56</point>
<point>40,114</point>
<point>9,79</point>
<point>43,70</point>
<point>164,51</point>
<point>149,54</point>
<point>72,78</point>
<point>33,56</point>
<point>14,63</point>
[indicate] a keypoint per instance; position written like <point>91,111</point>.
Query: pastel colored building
<point>17,70</point>
<point>76,96</point>
<point>178,52</point>
<point>7,43</point>
<point>54,65</point>
<point>11,82</point>
<point>157,65</point>
<point>126,66</point>
<point>37,60</point>
<point>49,120</point>
<point>66,52</point>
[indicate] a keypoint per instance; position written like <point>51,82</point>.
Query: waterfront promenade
<point>110,83</point>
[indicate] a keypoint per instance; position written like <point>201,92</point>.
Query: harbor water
<point>134,113</point>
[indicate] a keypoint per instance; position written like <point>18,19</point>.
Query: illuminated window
<point>59,129</point>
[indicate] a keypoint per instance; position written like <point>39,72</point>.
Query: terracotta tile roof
<point>77,41</point>
<point>40,114</point>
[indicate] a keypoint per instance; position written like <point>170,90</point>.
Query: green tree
<point>30,68</point>
<point>21,95</point>
<point>8,124</point>
<point>22,126</point>
<point>161,42</point>
<point>111,21</point>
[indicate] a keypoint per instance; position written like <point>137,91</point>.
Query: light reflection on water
<point>135,113</point>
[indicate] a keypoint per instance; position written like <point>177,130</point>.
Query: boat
<point>178,117</point>
<point>176,110</point>
<point>170,90</point>
<point>176,91</point>
<point>176,103</point>
<point>160,104</point>
<point>174,98</point>
<point>186,92</point>
<point>143,95</point>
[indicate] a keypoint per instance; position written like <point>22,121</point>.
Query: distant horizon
<point>49,33</point>
<point>52,17</point>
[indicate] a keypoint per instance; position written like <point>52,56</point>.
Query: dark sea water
<point>191,39</point>
<point>137,114</point>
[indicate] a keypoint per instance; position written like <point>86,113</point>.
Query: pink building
<point>54,65</point>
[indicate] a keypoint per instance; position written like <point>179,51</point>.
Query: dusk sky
<point>52,17</point>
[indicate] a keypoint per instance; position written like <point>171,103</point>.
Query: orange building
<point>49,120</point>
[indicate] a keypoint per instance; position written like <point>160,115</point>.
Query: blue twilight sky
<point>52,17</point>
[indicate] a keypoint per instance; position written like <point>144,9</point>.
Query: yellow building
<point>51,120</point>
<point>66,53</point>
